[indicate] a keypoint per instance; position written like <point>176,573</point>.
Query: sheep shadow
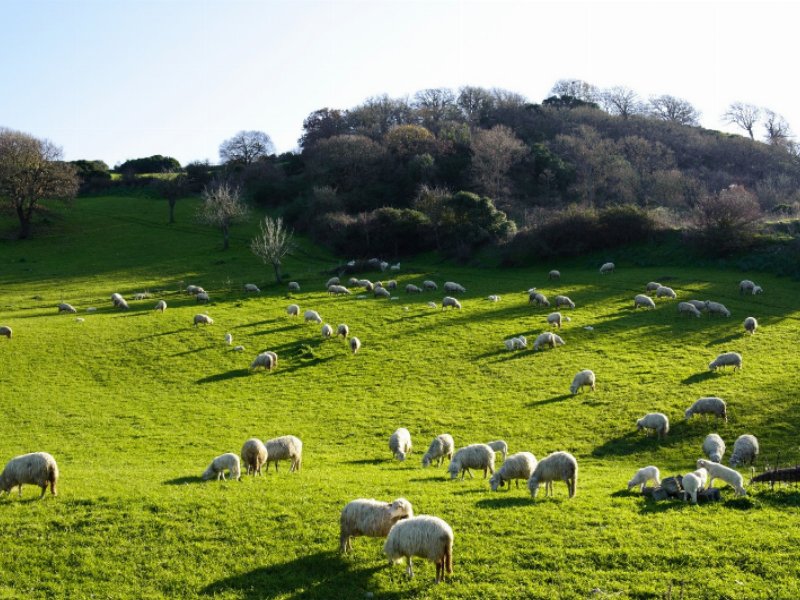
<point>724,339</point>
<point>193,351</point>
<point>366,461</point>
<point>636,442</point>
<point>780,497</point>
<point>433,479</point>
<point>271,331</point>
<point>268,322</point>
<point>560,398</point>
<point>232,374</point>
<point>650,506</point>
<point>698,377</point>
<point>507,502</point>
<point>186,480</point>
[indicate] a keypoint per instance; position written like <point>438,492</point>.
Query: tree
<point>743,115</point>
<point>149,164</point>
<point>322,124</point>
<point>377,115</point>
<point>777,130</point>
<point>675,110</point>
<point>435,106</point>
<point>222,207</point>
<point>576,88</point>
<point>273,243</point>
<point>494,152</point>
<point>727,221</point>
<point>246,147</point>
<point>30,171</point>
<point>622,101</point>
<point>406,141</point>
<point>171,189</point>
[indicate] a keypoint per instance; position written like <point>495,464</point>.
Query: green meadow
<point>135,404</point>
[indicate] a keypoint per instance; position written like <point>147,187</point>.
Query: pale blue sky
<point>118,79</point>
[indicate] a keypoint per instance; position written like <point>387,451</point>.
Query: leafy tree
<point>675,110</point>
<point>377,115</point>
<point>222,207</point>
<point>273,244</point>
<point>31,171</point>
<point>346,161</point>
<point>150,164</point>
<point>743,115</point>
<point>322,124</point>
<point>245,148</point>
<point>405,141</point>
<point>476,104</point>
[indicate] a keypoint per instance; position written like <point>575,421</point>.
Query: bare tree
<point>622,101</point>
<point>494,152</point>
<point>675,110</point>
<point>743,115</point>
<point>777,130</point>
<point>436,105</point>
<point>273,243</point>
<point>222,207</point>
<point>30,171</point>
<point>246,147</point>
<point>576,88</point>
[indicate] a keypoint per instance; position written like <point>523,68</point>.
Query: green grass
<point>134,405</point>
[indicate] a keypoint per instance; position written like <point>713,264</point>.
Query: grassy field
<point>135,404</point>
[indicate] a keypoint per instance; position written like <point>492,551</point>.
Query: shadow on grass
<point>650,507</point>
<point>635,442</point>
<point>432,479</point>
<point>367,461</point>
<point>699,377</point>
<point>724,339</point>
<point>232,374</point>
<point>560,398</point>
<point>184,480</point>
<point>505,502</point>
<point>786,497</point>
<point>193,351</point>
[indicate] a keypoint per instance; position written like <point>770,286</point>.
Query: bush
<point>725,222</point>
<point>624,224</point>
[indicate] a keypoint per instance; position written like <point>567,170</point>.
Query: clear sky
<point>118,79</point>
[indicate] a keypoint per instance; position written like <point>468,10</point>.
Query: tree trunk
<point>172,202</point>
<point>277,266</point>
<point>24,223</point>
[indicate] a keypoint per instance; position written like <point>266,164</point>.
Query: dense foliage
<point>150,164</point>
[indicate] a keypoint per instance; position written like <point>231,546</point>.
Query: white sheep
<point>452,287</point>
<point>202,298</point>
<point>381,292</point>
<point>429,285</point>
<point>516,343</point>
<point>204,319</point>
<point>343,330</point>
<point>338,290</point>
<point>658,422</point>
<point>750,325</point>
<point>518,466</point>
<point>643,300</point>
<point>693,483</point>
<point>395,267</point>
<point>254,455</point>
<point>493,298</point>
<point>564,301</point>
<point>216,470</point>
<point>714,447</point>
<point>499,446</point>
<point>745,450</point>
<point>67,308</point>
<point>708,405</point>
<point>391,285</point>
<point>585,378</point>
<point>757,289</point>
<point>666,292</point>
<point>424,536</point>
<point>91,309</point>
<point>652,286</point>
<point>688,308</point>
<point>554,274</point>
<point>400,443</point>
<point>327,331</point>
<point>451,302</point>
<point>554,319</point>
<point>122,304</point>
<point>352,282</point>
<point>547,339</point>
<point>287,447</point>
<point>510,344</point>
<point>116,299</point>
<point>294,286</point>
<point>160,306</point>
<point>228,338</point>
<point>355,344</point>
<point>238,349</point>
<point>371,518</point>
<point>718,471</point>
<point>538,298</point>
<point>607,268</point>
<point>193,290</point>
<point>746,286</point>
<point>698,304</point>
<point>264,360</point>
<point>366,284</point>
<point>413,289</point>
<point>431,305</point>
<point>558,466</point>
<point>293,310</point>
<point>6,331</point>
<point>312,315</point>
<point>643,475</point>
<point>441,447</point>
<point>727,359</point>
<point>332,281</point>
<point>716,308</point>
<point>36,468</point>
<point>475,456</point>
<point>251,287</point>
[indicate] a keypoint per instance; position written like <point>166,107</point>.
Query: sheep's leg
<point>484,473</point>
<point>410,567</point>
<point>19,489</point>
<point>44,489</point>
<point>471,476</point>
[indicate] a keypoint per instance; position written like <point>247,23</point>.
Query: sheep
<point>666,292</point>
<point>366,284</point>
<point>338,290</point>
<point>67,308</point>
<point>554,319</point>
<point>400,443</point>
<point>750,325</point>
<point>642,300</point>
<point>727,359</point>
<point>688,308</point>
<point>381,292</point>
<point>709,405</point>
<point>554,274</point>
<point>698,304</point>
<point>79,319</point>
<point>715,308</point>
<point>746,286</point>
<point>327,331</point>
<point>193,290</point>
<point>441,447</point>
<point>757,289</point>
<point>694,482</point>
<point>451,302</point>
<point>413,289</point>
<point>6,331</point>
<point>581,379</point>
<point>643,475</point>
<point>370,518</point>
<point>607,268</point>
<point>538,298</point>
<point>264,360</point>
<point>558,466</point>
<point>287,447</point>
<point>204,319</point>
<point>476,456</point>
<point>493,298</point>
<point>160,306</point>
<point>374,263</point>
<point>293,310</point>
<point>714,447</point>
<point>499,446</point>
<point>391,285</point>
<point>745,450</point>
<point>564,301</point>
<point>116,299</point>
<point>352,282</point>
<point>431,304</point>
<point>216,470</point>
<point>652,286</point>
<point>453,287</point>
<point>355,344</point>
<point>294,286</point>
<point>518,466</point>
<point>516,343</point>
<point>718,471</point>
<point>429,285</point>
<point>238,348</point>
<point>547,339</point>
<point>36,468</point>
<point>658,422</point>
<point>312,315</point>
<point>395,267</point>
<point>332,281</point>
<point>424,536</point>
<point>510,344</point>
<point>202,298</point>
<point>91,309</point>
<point>228,338</point>
<point>122,304</point>
<point>251,287</point>
<point>343,330</point>
<point>254,455</point>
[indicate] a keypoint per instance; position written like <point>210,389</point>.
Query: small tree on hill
<point>727,221</point>
<point>171,190</point>
<point>273,243</point>
<point>246,147</point>
<point>222,207</point>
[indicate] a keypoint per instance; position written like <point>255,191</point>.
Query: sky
<point>120,79</point>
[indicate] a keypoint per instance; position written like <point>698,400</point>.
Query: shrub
<point>725,222</point>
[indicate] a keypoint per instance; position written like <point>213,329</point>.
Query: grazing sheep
<point>332,281</point>
<point>424,536</point>
<point>204,319</point>
<point>202,298</point>
<point>688,308</point>
<point>451,302</point>
<point>238,348</point>
<point>116,299</point>
<point>750,325</point>
<point>429,285</point>
<point>452,287</point>
<point>293,310</point>
<point>493,298</point>
<point>391,285</point>
<point>554,319</point>
<point>251,287</point>
<point>352,282</point>
<point>312,315</point>
<point>400,443</point>
<point>294,286</point>
<point>254,455</point>
<point>413,289</point>
<point>366,284</point>
<point>441,447</point>
<point>264,360</point>
<point>370,518</point>
<point>547,339</point>
<point>355,344</point>
<point>642,300</point>
<point>564,301</point>
<point>558,466</point>
<point>746,286</point>
<point>666,292</point>
<point>693,483</point>
<point>383,265</point>
<point>216,470</point>
<point>715,308</point>
<point>516,343</point>
<point>395,267</point>
<point>652,286</point>
<point>518,466</point>
<point>327,331</point>
<point>343,330</point>
<point>431,305</point>
<point>658,422</point>
<point>714,447</point>
<point>381,292</point>
<point>727,359</point>
<point>710,405</point>
<point>476,456</point>
<point>745,450</point>
<point>698,304</point>
<point>757,289</point>
<point>67,308</point>
<point>554,274</point>
<point>718,471</point>
<point>6,331</point>
<point>36,468</point>
<point>160,306</point>
<point>193,290</point>
<point>538,298</point>
<point>581,379</point>
<point>228,338</point>
<point>338,290</point>
<point>643,475</point>
<point>499,446</point>
<point>91,309</point>
<point>287,447</point>
<point>123,305</point>
<point>607,268</point>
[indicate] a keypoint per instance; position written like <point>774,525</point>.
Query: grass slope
<point>134,406</point>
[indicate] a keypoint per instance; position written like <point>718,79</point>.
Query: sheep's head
<point>495,481</point>
<point>688,413</point>
<point>453,469</point>
<point>426,461</point>
<point>401,509</point>
<point>400,455</point>
<point>702,463</point>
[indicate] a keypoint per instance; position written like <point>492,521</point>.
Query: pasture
<point>134,405</point>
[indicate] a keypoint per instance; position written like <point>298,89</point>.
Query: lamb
<point>518,466</point>
<point>5,330</point>
<point>67,308</point>
<point>264,360</point>
<point>476,456</point>
<point>352,282</point>
<point>400,443</point>
<point>727,359</point>
<point>688,308</point>
<point>666,292</point>
<point>204,319</point>
<point>294,286</point>
<point>757,289</point>
<point>729,476</point>
<point>499,446</point>
<point>116,299</point>
<point>391,285</point>
<point>287,447</point>
<point>338,290</point>
<point>715,308</point>
<point>746,286</point>
<point>554,274</point>
<point>652,286</point>
<point>581,379</point>
<point>451,302</point>
<point>216,470</point>
<point>694,482</point>
<point>558,466</point>
<point>251,287</point>
<point>370,518</point>
<point>413,289</point>
<point>745,450</point>
<point>343,330</point>
<point>750,325</point>
<point>441,447</point>
<point>516,343</point>
<point>381,292</point>
<point>493,298</point>
<point>538,298</point>
<point>643,300</point>
<point>327,331</point>
<point>710,405</point>
<point>293,310</point>
<point>643,475</point>
<point>202,298</point>
<point>698,304</point>
<point>658,422</point>
<point>607,268</point>
<point>424,536</point>
<point>312,315</point>
<point>254,455</point>
<point>332,281</point>
<point>548,339</point>
<point>452,287</point>
<point>714,447</point>
<point>228,338</point>
<point>564,301</point>
<point>36,468</point>
<point>355,344</point>
<point>160,306</point>
<point>554,319</point>
<point>429,285</point>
